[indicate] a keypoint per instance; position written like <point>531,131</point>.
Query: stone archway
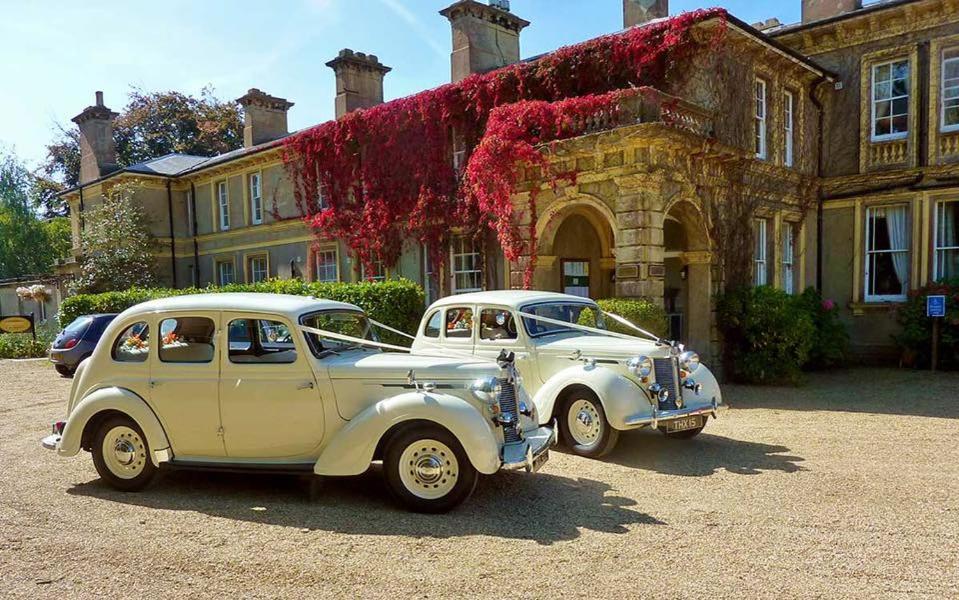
<point>687,257</point>
<point>575,248</point>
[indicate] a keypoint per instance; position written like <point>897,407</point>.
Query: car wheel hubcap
<point>428,469</point>
<point>585,422</point>
<point>124,452</point>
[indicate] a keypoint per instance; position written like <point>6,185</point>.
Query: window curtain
<point>946,238</point>
<point>897,224</point>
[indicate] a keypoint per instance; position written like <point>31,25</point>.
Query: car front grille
<point>666,372</point>
<point>507,404</point>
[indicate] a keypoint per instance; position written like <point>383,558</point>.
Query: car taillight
<point>58,427</point>
<point>70,344</point>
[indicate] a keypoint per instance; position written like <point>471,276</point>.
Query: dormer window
<point>890,100</point>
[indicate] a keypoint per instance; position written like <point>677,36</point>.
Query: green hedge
<point>397,303</point>
<point>915,338</point>
<point>645,314</point>
<point>767,335</point>
<point>831,341</point>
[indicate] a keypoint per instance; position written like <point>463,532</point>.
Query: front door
<point>576,278</point>
<point>269,401</point>
<point>184,383</point>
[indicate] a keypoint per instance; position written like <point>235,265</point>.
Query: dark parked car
<point>77,342</point>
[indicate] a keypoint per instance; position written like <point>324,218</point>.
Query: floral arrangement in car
<point>135,345</point>
<point>172,340</point>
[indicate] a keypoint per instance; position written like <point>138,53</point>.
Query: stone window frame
<point>936,202</point>
<point>910,250</point>
<point>248,266</point>
<point>938,135</point>
<point>789,127</point>
<point>891,99</point>
<point>254,197</point>
<point>315,263</point>
<point>217,273</point>
<point>477,270</point>
<point>908,52</point>
<point>760,225</point>
<point>761,136</point>
<point>384,274</point>
<point>218,201</point>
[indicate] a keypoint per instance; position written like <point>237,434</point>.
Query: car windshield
<point>568,312</point>
<point>351,323</point>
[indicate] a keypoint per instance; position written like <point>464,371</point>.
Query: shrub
<point>22,345</point>
<point>831,340</point>
<point>648,315</point>
<point>767,336</point>
<point>915,338</point>
<point>397,303</point>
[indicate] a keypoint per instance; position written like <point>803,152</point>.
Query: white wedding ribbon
<point>578,327</point>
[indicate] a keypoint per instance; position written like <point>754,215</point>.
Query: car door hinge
<point>219,432</point>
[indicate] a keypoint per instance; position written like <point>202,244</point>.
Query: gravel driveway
<point>847,487</point>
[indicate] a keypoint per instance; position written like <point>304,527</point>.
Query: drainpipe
<point>820,174</point>
<point>196,245</point>
<point>169,201</point>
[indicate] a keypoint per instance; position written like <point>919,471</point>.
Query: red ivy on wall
<point>386,173</point>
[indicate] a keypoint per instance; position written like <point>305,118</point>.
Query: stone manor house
<point>847,124</point>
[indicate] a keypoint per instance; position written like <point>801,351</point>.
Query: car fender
<point>351,449</point>
<point>710,389</point>
<point>112,399</point>
<point>620,397</point>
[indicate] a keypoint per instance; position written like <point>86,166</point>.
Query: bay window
<point>890,100</point>
<point>947,240</point>
<point>887,253</point>
<point>950,90</point>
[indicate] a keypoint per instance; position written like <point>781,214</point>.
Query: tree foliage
<point>117,244</point>
<point>152,124</point>
<point>26,245</point>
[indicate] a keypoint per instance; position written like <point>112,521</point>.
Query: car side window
<point>260,341</point>
<point>187,340</point>
<point>133,344</point>
<point>432,329</point>
<point>497,324</point>
<point>459,323</point>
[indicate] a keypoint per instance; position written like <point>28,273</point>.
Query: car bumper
<point>51,441</point>
<point>658,416</point>
<point>532,452</point>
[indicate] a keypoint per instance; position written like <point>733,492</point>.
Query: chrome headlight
<point>486,389</point>
<point>689,361</point>
<point>642,366</point>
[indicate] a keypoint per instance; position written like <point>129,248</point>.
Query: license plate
<point>684,424</point>
<point>540,460</point>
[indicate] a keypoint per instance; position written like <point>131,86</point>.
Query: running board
<point>225,467</point>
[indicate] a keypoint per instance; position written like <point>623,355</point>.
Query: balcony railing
<point>649,105</point>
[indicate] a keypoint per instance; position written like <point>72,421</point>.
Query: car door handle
<point>308,385</point>
<point>154,383</point>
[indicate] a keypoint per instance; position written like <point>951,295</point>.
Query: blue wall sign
<point>935,306</point>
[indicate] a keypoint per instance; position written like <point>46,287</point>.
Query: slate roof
<point>171,164</point>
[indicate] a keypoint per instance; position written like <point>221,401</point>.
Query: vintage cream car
<point>595,383</point>
<point>289,383</point>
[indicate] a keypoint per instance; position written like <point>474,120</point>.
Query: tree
<point>25,245</point>
<point>117,244</point>
<point>151,125</point>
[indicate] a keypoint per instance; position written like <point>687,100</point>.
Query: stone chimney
<point>816,10</point>
<point>637,12</point>
<point>264,117</point>
<point>485,36</point>
<point>359,80</point>
<point>98,155</point>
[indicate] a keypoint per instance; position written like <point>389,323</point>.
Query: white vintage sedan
<point>293,384</point>
<point>595,383</point>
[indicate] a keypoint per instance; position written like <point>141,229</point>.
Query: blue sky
<point>56,53</point>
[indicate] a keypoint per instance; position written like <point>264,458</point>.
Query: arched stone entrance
<point>687,258</point>
<point>576,243</point>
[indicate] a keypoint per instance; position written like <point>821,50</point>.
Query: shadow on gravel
<point>543,508</point>
<point>703,455</point>
<point>887,391</point>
